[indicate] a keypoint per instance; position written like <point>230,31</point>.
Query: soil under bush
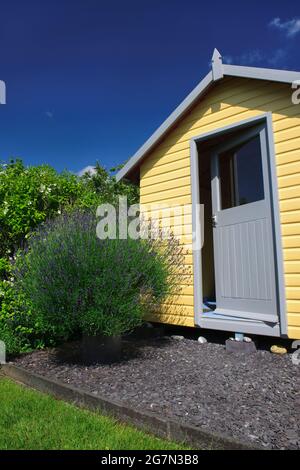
<point>253,398</point>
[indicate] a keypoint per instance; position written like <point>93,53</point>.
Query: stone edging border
<point>145,421</point>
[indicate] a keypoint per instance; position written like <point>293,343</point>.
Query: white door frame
<point>201,318</point>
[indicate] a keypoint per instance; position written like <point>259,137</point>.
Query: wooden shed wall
<point>165,176</point>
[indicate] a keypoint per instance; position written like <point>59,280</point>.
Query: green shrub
<point>16,323</point>
<point>31,195</point>
<point>28,197</point>
<point>79,283</point>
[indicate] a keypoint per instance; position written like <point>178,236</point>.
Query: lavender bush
<point>79,283</point>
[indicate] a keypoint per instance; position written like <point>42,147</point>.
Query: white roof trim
<point>219,70</point>
<point>272,75</point>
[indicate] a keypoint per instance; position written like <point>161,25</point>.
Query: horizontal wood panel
<point>293,306</point>
<point>165,174</point>
<point>294,332</point>
<point>286,123</point>
<point>294,319</point>
<point>160,178</point>
<point>182,162</point>
<point>292,266</point>
<point>290,205</point>
<point>287,134</point>
<point>291,254</point>
<point>287,157</point>
<point>290,192</point>
<point>186,320</point>
<point>287,145</point>
<point>292,280</point>
<point>291,229</point>
<point>292,168</point>
<point>169,198</point>
<point>288,180</point>
<point>290,217</point>
<point>165,186</point>
<point>291,241</point>
<point>293,293</point>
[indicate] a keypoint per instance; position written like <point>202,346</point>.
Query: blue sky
<point>90,80</point>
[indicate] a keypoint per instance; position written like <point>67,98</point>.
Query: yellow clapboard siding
<point>293,293</point>
<point>287,134</point>
<point>294,332</point>
<point>292,266</point>
<point>293,306</point>
<point>293,319</point>
<point>186,300</point>
<point>165,173</point>
<point>287,145</point>
<point>292,280</point>
<point>291,254</point>
<point>182,320</point>
<point>291,241</point>
<point>289,169</point>
<point>162,211</point>
<point>223,104</point>
<point>290,217</point>
<point>284,123</point>
<point>289,180</point>
<point>290,229</point>
<point>180,158</point>
<point>182,163</point>
<point>173,196</point>
<point>287,157</point>
<point>166,176</point>
<point>290,205</point>
<point>289,193</point>
<point>176,309</point>
<point>182,200</point>
<point>165,186</point>
<point>171,220</point>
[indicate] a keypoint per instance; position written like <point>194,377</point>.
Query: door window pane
<point>241,174</point>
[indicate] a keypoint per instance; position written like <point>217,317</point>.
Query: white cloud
<point>257,57</point>
<point>247,58</point>
<point>278,57</point>
<point>227,59</point>
<point>251,57</point>
<point>290,27</point>
<point>49,114</point>
<point>87,169</point>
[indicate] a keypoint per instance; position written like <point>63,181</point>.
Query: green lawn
<point>32,420</point>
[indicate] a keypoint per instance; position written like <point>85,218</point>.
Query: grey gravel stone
<point>238,396</point>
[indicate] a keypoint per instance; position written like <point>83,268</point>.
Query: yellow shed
<point>228,159</point>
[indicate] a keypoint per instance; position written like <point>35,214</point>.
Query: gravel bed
<point>252,398</point>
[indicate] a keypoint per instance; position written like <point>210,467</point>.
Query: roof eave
<point>273,75</point>
<point>219,70</point>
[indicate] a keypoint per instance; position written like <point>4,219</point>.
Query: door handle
<point>214,220</point>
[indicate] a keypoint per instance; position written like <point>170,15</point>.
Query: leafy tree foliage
<point>30,195</point>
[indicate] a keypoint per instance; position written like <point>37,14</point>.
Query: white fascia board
<point>273,75</point>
